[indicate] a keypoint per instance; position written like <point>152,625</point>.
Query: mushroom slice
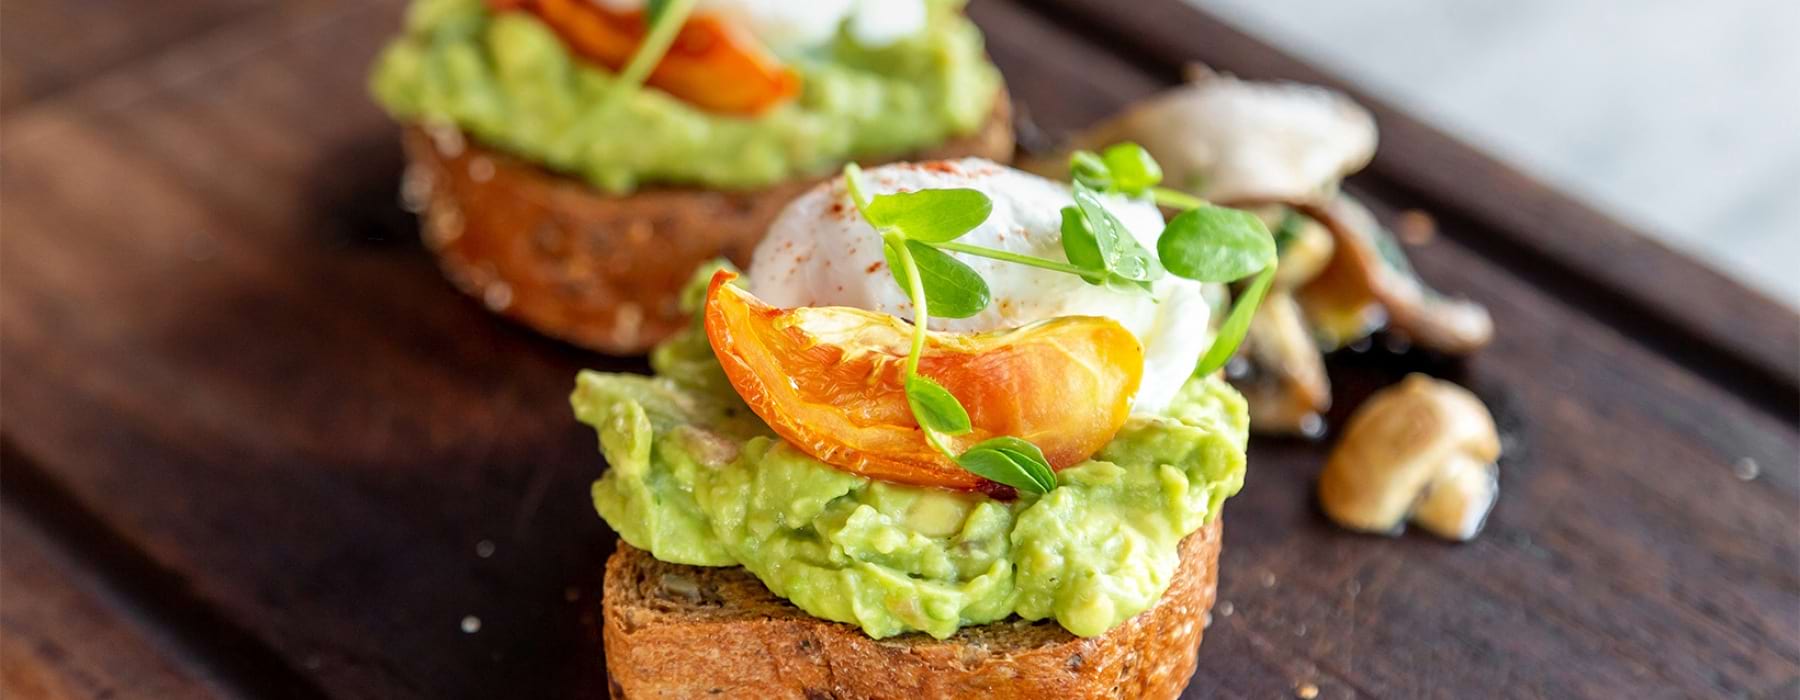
<point>1286,386</point>
<point>1339,302</point>
<point>1370,281</point>
<point>1223,138</point>
<point>1304,244</point>
<point>1423,450</point>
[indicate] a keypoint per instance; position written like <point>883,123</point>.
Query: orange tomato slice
<point>711,65</point>
<point>831,381</point>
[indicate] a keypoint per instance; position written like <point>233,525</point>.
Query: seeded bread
<point>596,270</point>
<point>674,631</point>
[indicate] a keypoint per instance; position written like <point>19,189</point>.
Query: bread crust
<point>727,636</point>
<point>600,271</point>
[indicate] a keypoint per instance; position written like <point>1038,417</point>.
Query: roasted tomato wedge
<point>830,380</point>
<point>712,65</point>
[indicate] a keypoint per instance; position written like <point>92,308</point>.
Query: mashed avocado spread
<point>507,79</point>
<point>696,478</point>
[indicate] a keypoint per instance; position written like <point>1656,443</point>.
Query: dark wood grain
<point>58,640</point>
<point>46,47</point>
<point>290,413</point>
<point>236,386</point>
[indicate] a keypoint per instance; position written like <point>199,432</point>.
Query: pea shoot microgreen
<point>664,19</point>
<point>1215,244</point>
<point>932,216</point>
<point>953,288</point>
<point>1203,243</point>
<point>936,408</point>
<point>1132,169</point>
<point>1011,461</point>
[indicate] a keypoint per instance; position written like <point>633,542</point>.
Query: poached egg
<point>821,252</point>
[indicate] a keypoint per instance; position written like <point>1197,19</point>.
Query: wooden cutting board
<point>254,445</point>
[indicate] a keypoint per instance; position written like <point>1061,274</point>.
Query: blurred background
<point>1680,118</point>
<point>1677,117</point>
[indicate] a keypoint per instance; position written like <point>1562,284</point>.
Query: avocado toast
<point>571,169</point>
<point>1014,495</point>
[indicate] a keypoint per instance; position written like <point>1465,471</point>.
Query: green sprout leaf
<point>952,288</point>
<point>934,407</point>
<point>1231,332</point>
<point>1215,244</point>
<point>1121,254</point>
<point>1088,169</point>
<point>1079,245</point>
<point>1011,461</point>
<point>1108,232</point>
<point>1123,167</point>
<point>1083,252</point>
<point>1132,169</point>
<point>932,216</point>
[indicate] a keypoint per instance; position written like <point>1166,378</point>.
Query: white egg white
<point>799,24</point>
<point>820,252</point>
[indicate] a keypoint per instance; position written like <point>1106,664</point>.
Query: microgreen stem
<point>915,285</point>
<point>981,252</point>
<point>656,44</point>
<point>1175,199</point>
<point>915,288</point>
<point>936,439</point>
<point>853,184</point>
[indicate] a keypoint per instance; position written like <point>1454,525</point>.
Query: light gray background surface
<point>1679,117</point>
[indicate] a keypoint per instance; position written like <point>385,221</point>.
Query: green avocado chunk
<point>508,80</point>
<point>697,478</point>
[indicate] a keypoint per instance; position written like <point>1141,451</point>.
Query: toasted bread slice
<point>597,270</point>
<point>674,631</point>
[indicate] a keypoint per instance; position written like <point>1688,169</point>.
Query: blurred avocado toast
<point>574,160</point>
<point>958,431</point>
